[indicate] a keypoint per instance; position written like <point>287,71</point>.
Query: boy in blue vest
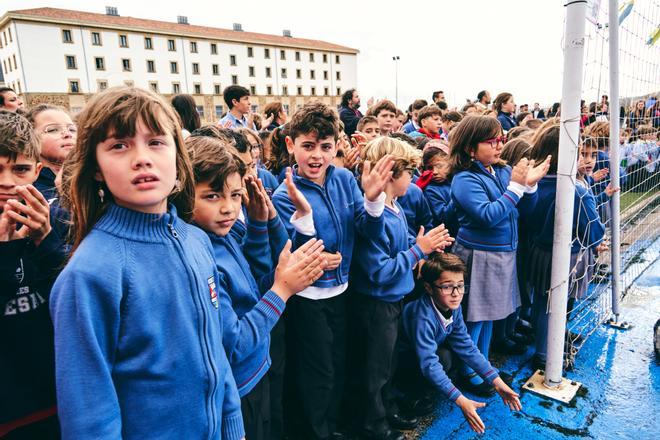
<point>320,201</point>
<point>251,302</point>
<point>436,319</point>
<point>382,276</point>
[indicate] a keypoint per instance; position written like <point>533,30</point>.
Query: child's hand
<point>267,121</point>
<point>374,180</point>
<point>509,397</point>
<point>301,204</point>
<point>602,247</point>
<point>600,174</point>
<point>351,158</point>
<point>610,190</point>
<point>435,240</point>
<point>358,140</point>
<point>255,202</point>
<point>519,171</point>
<point>299,270</point>
<point>537,172</point>
<point>469,408</point>
<point>333,260</point>
<point>34,215</point>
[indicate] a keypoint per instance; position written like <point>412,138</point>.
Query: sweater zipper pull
<point>172,230</point>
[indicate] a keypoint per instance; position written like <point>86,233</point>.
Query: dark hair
<point>418,104</point>
<point>315,117</point>
<point>453,116</point>
<point>442,105</point>
<point>213,161</point>
<point>439,262</point>
<point>436,94</point>
<point>514,150</point>
<point>521,116</point>
<point>500,100</point>
<point>427,112</point>
<point>385,104</point>
<point>404,137</point>
<point>546,142</point>
<point>279,155</point>
<point>214,132</point>
<point>234,92</point>
<point>273,108</point>
<point>516,131</point>
<point>465,138</point>
<point>17,137</point>
<point>346,97</point>
<point>187,109</point>
<point>430,153</point>
<point>2,96</point>
<point>241,142</point>
<point>481,94</point>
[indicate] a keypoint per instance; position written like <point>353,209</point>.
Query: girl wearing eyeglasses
<point>487,196</point>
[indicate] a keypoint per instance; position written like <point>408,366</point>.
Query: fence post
<point>574,39</point>
<point>615,161</point>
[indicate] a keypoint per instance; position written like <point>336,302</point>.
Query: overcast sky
<point>459,46</point>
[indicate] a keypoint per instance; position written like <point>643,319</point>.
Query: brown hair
<point>532,124</point>
<point>116,111</point>
<point>279,155</point>
<point>366,120</point>
<point>317,118</point>
<point>645,129</point>
<point>500,100</point>
<point>599,130</point>
<point>213,161</point>
<point>514,150</point>
<point>440,262</point>
<point>465,138</point>
<point>273,108</point>
<point>429,153</point>
<point>40,108</point>
<point>516,132</point>
<point>385,104</point>
<point>404,154</point>
<point>17,137</point>
<point>546,142</point>
<point>453,116</point>
<point>427,112</point>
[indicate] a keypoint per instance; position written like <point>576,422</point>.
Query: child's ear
<point>289,144</point>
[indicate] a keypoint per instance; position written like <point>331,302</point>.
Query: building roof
<point>89,19</point>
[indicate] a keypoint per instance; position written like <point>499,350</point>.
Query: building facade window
<point>176,88</point>
<point>71,62</point>
<point>251,71</point>
<point>311,57</point>
<point>198,88</point>
<point>326,91</point>
<point>101,85</point>
<point>67,37</point>
<point>217,90</point>
<point>298,74</point>
<point>74,86</point>
<point>174,67</point>
<point>100,63</point>
<point>234,80</point>
<point>218,109</point>
<point>154,86</point>
<point>253,90</point>
<point>283,54</point>
<point>96,39</point>
<point>297,55</point>
<point>285,91</point>
<point>195,68</point>
<point>312,74</point>
<point>300,91</point>
<point>325,74</point>
<point>338,75</point>
<point>313,91</point>
<point>268,74</point>
<point>338,91</point>
<point>193,47</point>
<point>215,68</point>
<point>148,43</point>
<point>283,73</point>
<point>337,59</point>
<point>126,64</point>
<point>267,53</point>
<point>325,57</point>
<point>171,45</point>
<point>232,60</point>
<point>269,90</point>
<point>250,52</point>
<point>123,41</point>
<point>214,49</point>
<point>151,66</point>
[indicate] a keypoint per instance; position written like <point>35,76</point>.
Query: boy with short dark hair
<point>436,319</point>
<point>237,99</point>
<point>385,113</point>
<point>412,125</point>
<point>428,119</point>
<point>319,200</point>
<point>31,259</point>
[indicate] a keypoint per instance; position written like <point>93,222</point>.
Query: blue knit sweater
<point>247,317</point>
<point>417,209</point>
<point>486,209</point>
<point>138,334</point>
<point>339,216</point>
<point>423,333</point>
<point>438,195</point>
<point>383,265</point>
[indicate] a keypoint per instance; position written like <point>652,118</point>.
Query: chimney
<point>182,19</point>
<point>111,10</point>
<point>238,27</point>
<point>286,33</point>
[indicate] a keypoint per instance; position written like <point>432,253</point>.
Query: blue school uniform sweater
<point>417,210</point>
<point>438,195</point>
<point>383,265</point>
<point>486,210</point>
<point>339,216</point>
<point>269,181</point>
<point>423,332</point>
<point>588,231</point>
<point>138,334</point>
<point>247,317</point>
<point>507,121</point>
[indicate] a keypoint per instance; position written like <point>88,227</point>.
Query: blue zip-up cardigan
<point>423,333</point>
<point>416,207</point>
<point>588,231</point>
<point>383,266</point>
<point>339,215</point>
<point>269,181</point>
<point>507,121</point>
<point>138,334</point>
<point>486,210</point>
<point>438,195</point>
<point>247,317</point>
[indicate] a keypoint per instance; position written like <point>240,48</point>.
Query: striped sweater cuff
<point>232,428</point>
<point>272,305</point>
<point>490,375</point>
<point>257,226</point>
<point>453,393</point>
<point>417,254</point>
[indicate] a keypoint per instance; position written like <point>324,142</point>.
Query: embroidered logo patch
<point>212,292</point>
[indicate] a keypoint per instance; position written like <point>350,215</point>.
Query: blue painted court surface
<point>620,398</point>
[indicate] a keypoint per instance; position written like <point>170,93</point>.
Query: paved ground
<point>620,398</point>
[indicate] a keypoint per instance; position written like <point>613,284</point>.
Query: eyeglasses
<point>58,129</point>
<point>449,289</point>
<point>496,140</point>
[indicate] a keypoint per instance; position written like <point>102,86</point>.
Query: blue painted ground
<point>621,386</point>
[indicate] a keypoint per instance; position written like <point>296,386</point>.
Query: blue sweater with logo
<point>383,266</point>
<point>423,332</point>
<point>438,194</point>
<point>138,334</point>
<point>339,216</point>
<point>417,209</point>
<point>487,211</point>
<point>247,316</point>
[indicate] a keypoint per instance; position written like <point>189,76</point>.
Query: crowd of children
<point>326,277</point>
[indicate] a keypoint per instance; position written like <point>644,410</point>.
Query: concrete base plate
<point>564,393</point>
<point>621,325</point>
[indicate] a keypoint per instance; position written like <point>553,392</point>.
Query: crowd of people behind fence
<point>321,275</point>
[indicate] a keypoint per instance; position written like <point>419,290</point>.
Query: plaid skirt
<point>493,280</point>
